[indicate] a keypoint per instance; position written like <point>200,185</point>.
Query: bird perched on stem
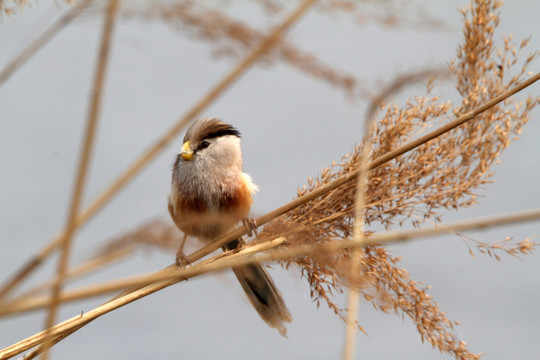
<point>210,194</point>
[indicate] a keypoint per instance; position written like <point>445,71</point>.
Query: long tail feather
<point>262,293</point>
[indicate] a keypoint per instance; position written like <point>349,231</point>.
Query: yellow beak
<point>186,152</point>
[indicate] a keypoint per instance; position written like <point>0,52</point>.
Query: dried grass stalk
<point>357,254</point>
<point>508,246</point>
<point>84,162</point>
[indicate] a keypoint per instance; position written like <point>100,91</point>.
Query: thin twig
<point>30,304</point>
<point>160,144</point>
<point>84,162</point>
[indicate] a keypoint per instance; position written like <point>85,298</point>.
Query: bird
<point>210,195</point>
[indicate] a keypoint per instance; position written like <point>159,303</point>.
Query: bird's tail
<point>262,293</point>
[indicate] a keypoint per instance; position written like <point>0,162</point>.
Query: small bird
<point>210,194</point>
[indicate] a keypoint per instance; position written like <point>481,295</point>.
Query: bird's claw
<point>250,225</point>
<point>182,260</point>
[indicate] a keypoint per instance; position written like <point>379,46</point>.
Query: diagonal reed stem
<point>158,146</point>
<point>21,305</point>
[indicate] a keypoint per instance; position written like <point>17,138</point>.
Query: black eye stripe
<point>222,132</point>
<point>209,128</point>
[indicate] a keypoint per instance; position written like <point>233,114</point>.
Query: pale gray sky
<point>292,126</point>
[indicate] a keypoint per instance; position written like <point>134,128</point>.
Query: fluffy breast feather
<point>212,208</point>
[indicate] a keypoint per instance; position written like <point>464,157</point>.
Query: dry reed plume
<point>443,173</point>
<point>415,187</point>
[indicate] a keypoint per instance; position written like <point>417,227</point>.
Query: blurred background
<point>293,125</point>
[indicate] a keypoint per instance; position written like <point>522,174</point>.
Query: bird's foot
<point>181,259</point>
<point>251,226</point>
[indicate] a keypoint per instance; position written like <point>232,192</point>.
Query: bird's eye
<point>204,144</point>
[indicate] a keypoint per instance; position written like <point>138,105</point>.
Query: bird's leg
<point>251,226</point>
<point>181,258</point>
